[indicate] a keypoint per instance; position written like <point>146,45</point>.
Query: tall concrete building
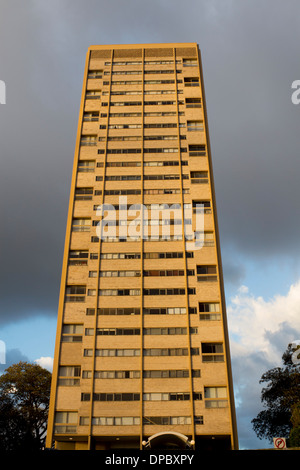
<point>142,353</point>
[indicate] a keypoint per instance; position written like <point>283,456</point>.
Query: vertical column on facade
<point>142,260</point>
<point>234,439</point>
<point>184,255</point>
<point>52,406</point>
<point>93,359</point>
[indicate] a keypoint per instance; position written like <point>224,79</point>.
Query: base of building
<point>202,443</point>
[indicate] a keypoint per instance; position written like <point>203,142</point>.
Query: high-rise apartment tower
<point>142,352</point>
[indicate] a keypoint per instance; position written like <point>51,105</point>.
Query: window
<point>75,293</point>
<point>78,257</point>
<point>215,397</point>
<point>127,72</point>
<point>123,138</point>
<point>133,114</point>
<point>72,333</point>
<point>189,62</point>
<point>116,421</point>
<point>69,375</point>
<point>212,352</point>
<point>193,102</point>
<point>89,331</point>
<point>120,256</point>
<point>166,163</point>
<point>83,194</point>
<point>113,292</point>
<point>91,116</point>
<point>160,137</point>
<point>88,353</point>
<point>115,192</point>
<point>117,374</point>
<point>124,82</point>
<point>116,396</point>
<point>123,164</point>
<point>124,150</point>
<point>125,126</point>
<point>161,150</point>
<point>191,81</point>
<point>167,420</point>
<point>195,126</point>
<point>159,71</point>
<point>85,396</point>
<point>163,273</point>
<point>165,191</point>
<point>120,273</point>
<point>206,273</point>
<point>197,150</point>
<point>123,178</point>
<point>118,311</point>
<point>160,125</point>
<point>157,255</point>
<point>159,103</point>
<point>117,331</point>
<point>69,371</point>
<point>165,374</point>
<point>115,352</point>
<point>81,225</point>
<point>201,206</point>
<point>162,177</point>
<point>136,62</point>
<point>65,422</point>
<point>198,419</point>
<point>124,103</point>
<point>209,311</point>
<point>170,352</point>
<point>199,177</point>
<point>95,73</point>
<point>164,291</point>
<point>88,140</point>
<point>165,331</point>
<point>175,396</point>
<point>86,166</point>
<point>118,93</point>
<point>161,92</point>
<point>205,238</point>
<point>165,311</point>
<point>93,94</point>
<point>206,269</point>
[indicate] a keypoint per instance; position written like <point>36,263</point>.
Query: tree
<point>295,431</point>
<point>24,404</point>
<point>280,397</point>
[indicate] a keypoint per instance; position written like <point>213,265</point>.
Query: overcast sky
<point>250,54</point>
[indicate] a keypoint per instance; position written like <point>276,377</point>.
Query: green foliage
<point>280,396</point>
<point>295,419</point>
<point>24,403</point>
<point>294,440</point>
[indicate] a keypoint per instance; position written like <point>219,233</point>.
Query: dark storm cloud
<point>250,58</point>
<point>12,356</point>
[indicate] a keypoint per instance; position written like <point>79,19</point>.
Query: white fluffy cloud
<point>45,362</point>
<point>260,331</point>
<point>267,326</point>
